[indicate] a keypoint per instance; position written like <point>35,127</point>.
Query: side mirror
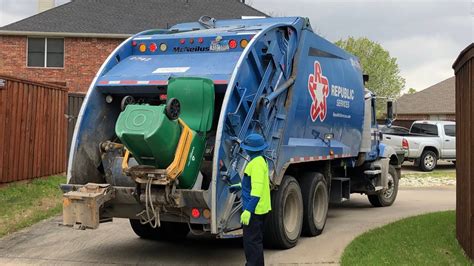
<point>365,78</point>
<point>328,136</point>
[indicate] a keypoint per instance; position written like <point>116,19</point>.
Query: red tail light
<point>200,40</point>
<point>153,47</point>
<point>195,213</point>
<point>232,44</point>
<point>405,144</point>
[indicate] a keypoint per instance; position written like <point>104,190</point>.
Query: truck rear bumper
<point>85,206</point>
<point>81,207</point>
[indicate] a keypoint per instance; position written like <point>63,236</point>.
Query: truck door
<point>449,142</point>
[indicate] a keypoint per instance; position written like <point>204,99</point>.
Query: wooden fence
<point>33,129</point>
<point>464,69</point>
<point>74,104</point>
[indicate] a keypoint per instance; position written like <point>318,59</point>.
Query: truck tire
<point>428,161</point>
<point>283,224</point>
<point>167,231</point>
<point>386,197</point>
<point>315,203</point>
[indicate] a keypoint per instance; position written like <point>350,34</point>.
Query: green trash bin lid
<point>196,96</point>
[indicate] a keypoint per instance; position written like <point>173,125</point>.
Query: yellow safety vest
<point>257,170</point>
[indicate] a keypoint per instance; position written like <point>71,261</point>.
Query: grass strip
<point>421,240</point>
<point>25,203</point>
<point>433,174</point>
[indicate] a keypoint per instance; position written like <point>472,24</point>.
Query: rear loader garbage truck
<point>158,137</point>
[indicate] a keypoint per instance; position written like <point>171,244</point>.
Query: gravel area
<point>426,181</point>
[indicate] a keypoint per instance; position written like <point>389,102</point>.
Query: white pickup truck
<point>426,142</point>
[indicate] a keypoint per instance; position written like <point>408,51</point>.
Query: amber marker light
<point>142,47</point>
<point>206,213</point>
<point>243,43</point>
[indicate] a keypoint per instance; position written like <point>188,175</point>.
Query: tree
<point>383,71</point>
<point>411,91</point>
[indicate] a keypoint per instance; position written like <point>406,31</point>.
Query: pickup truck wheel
<point>428,161</point>
<point>315,203</point>
<point>167,231</point>
<point>283,224</point>
<point>386,197</point>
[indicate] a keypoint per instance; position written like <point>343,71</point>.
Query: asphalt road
<point>115,243</point>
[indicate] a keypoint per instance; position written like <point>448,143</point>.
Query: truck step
<point>232,234</point>
<point>281,116</point>
<point>340,189</point>
<point>378,188</point>
<point>372,172</point>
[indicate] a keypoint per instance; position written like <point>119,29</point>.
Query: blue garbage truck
<point>157,140</point>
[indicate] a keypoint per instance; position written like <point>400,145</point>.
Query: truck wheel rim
<point>320,206</point>
<point>391,187</point>
<point>429,161</point>
<point>290,217</point>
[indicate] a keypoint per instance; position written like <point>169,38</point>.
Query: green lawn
<point>421,240</point>
<point>25,203</point>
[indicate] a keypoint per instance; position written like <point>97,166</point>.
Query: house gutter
<point>65,34</point>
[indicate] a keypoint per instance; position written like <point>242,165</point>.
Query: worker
<point>256,201</point>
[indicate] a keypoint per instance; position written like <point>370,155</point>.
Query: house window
<point>45,52</point>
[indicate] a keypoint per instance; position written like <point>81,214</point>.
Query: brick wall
<point>82,59</point>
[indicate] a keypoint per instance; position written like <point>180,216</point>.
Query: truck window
<point>450,130</point>
<point>424,129</point>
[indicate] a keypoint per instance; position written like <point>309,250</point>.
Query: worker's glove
<point>235,187</point>
<point>245,217</point>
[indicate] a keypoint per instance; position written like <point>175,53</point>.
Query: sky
<point>425,36</point>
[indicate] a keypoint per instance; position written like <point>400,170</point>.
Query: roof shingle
<point>128,16</point>
<point>437,99</point>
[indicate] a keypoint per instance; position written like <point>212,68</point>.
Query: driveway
<point>115,243</point>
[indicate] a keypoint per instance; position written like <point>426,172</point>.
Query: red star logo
<point>318,87</point>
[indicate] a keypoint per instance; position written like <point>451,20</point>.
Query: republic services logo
<point>318,87</point>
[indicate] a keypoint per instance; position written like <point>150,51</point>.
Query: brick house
<point>436,102</point>
<point>67,44</point>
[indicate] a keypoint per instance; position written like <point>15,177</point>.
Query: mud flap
<point>383,165</point>
<point>81,208</point>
